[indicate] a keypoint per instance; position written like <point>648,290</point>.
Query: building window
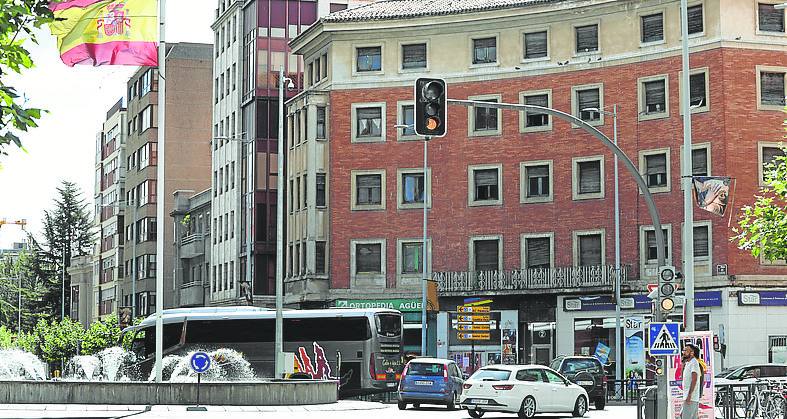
<point>319,257</point>
<point>588,178</point>
<point>696,21</point>
<point>589,248</point>
<point>699,161</point>
<point>777,349</point>
<point>485,50</point>
<point>653,93</point>
<point>770,18</point>
<point>412,258</point>
<point>369,122</point>
<point>369,189</point>
<point>320,190</point>
<point>656,170</point>
<point>772,89</point>
<point>413,56</point>
<point>586,38</point>
<point>768,152</point>
<point>588,102</point>
<point>485,185</point>
<point>407,117</point>
<point>321,132</point>
<point>651,249</point>
<point>368,59</point>
<point>537,251</point>
<point>536,181</point>
<point>698,91</point>
<point>485,121</point>
<point>368,258</point>
<point>652,28</point>
<point>486,254</point>
<point>536,45</point>
<point>413,188</point>
<point>535,120</point>
<point>702,241</point>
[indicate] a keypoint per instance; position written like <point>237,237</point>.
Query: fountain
<point>16,364</point>
<point>111,364</point>
<point>228,365</point>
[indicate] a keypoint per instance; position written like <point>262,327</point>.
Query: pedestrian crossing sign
<point>663,338</point>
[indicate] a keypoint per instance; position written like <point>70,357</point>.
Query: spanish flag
<point>106,32</point>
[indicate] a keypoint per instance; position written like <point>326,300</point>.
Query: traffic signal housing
<point>431,100</point>
<point>667,288</point>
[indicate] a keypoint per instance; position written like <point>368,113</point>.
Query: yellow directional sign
<point>472,336</point>
<point>473,327</point>
<point>477,309</point>
<point>474,318</point>
<point>479,303</point>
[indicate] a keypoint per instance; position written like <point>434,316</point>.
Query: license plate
<point>479,401</point>
<point>391,384</point>
<point>423,383</point>
<point>585,383</point>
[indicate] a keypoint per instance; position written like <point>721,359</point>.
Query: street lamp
<point>425,252</point>
<point>279,340</point>
<point>251,160</point>
<point>124,205</point>
<point>618,364</point>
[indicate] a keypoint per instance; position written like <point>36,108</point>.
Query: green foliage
<point>18,18</point>
<point>101,335</point>
<point>6,338</point>
<point>60,340</point>
<point>762,227</point>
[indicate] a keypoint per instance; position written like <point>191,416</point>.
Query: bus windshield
<point>389,325</point>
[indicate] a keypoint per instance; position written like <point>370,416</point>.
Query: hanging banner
<point>704,340</point>
<point>634,338</point>
<point>508,346</point>
<point>712,193</point>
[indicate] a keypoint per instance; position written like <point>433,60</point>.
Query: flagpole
<point>160,197</point>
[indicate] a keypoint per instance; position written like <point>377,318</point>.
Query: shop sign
<point>402,304</point>
<point>762,298</point>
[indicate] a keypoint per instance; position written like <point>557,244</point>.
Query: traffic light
<point>667,288</point>
<point>431,99</point>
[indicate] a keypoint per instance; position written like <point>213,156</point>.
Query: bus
<point>360,348</point>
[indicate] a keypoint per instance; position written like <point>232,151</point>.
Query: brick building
<point>521,205</point>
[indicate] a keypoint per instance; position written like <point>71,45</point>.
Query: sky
<point>77,98</point>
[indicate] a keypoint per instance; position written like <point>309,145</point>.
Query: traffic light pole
<point>425,251</point>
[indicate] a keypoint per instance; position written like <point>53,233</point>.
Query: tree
<point>18,19</point>
<point>763,227</point>
<point>16,272</point>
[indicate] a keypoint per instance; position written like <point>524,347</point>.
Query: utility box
<point>289,362</point>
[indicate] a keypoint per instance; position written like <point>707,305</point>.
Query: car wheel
<point>452,404</point>
<point>475,413</point>
<point>600,404</point>
<point>528,408</point>
<point>402,405</point>
<point>580,407</point>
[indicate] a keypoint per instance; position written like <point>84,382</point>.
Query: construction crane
<point>20,222</point>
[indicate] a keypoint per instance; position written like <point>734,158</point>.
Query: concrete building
<point>191,218</point>
<point>108,219</point>
<point>84,306</point>
<point>188,110</point>
<point>249,49</point>
<point>521,205</point>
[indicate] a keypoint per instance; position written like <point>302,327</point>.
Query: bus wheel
<point>402,405</point>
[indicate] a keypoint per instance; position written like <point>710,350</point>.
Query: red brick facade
<point>733,125</point>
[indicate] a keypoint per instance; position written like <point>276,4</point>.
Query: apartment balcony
<point>530,281</point>
<point>192,294</point>
<point>192,245</point>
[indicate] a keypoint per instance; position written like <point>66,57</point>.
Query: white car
<point>522,389</point>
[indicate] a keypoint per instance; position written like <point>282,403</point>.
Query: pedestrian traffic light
<point>431,99</point>
<point>667,288</point>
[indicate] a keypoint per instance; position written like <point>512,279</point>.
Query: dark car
<point>588,373</point>
<point>430,381</point>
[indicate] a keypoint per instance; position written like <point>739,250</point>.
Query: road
<point>340,410</point>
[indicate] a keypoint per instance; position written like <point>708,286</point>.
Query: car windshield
<point>581,365</point>
<point>491,375</point>
<point>725,373</point>
<point>423,368</point>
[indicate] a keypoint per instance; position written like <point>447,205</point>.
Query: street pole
<point>19,307</point>
<point>279,344</point>
<point>63,291</point>
<point>134,260</point>
<point>250,164</point>
<point>618,343</point>
<point>160,190</point>
<point>425,252</point>
<point>688,214</point>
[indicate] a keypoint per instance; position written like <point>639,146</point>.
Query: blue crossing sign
<point>663,338</point>
<point>200,362</point>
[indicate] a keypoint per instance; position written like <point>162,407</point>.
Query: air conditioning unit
<point>721,269</point>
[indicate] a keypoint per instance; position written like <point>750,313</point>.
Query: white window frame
<point>523,247</point>
<point>757,30</point>
<point>649,12</point>
<point>641,108</point>
<point>575,195</point>
<point>400,121</point>
<point>523,114</point>
<point>705,106</point>
<point>760,171</point>
<point>471,249</point>
<point>575,102</point>
<point>400,54</point>
<point>575,243</point>
<point>411,280</point>
<point>643,168</point>
<point>471,202</point>
<point>471,48</point>
<point>523,183</point>
<point>354,122</point>
<point>702,265</point>
<point>471,132</point>
<point>400,187</point>
<point>768,69</point>
<point>353,193</point>
<point>368,279</point>
<point>355,48</point>
<point>574,27</point>
<point>648,269</point>
<point>534,29</point>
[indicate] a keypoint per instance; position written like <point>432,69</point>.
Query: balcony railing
<point>560,278</point>
<point>192,246</point>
